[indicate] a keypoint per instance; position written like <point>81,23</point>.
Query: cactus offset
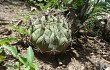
<point>51,34</point>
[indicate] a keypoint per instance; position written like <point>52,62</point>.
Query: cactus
<point>51,34</point>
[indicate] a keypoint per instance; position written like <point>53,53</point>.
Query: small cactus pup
<point>51,34</point>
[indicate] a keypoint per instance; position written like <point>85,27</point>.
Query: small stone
<point>82,67</point>
<point>33,8</point>
<point>60,63</point>
<point>64,66</point>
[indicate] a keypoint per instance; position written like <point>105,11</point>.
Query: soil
<point>91,53</point>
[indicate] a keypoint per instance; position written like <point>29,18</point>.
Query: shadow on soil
<point>65,58</point>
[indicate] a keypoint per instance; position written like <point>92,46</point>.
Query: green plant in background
<point>6,41</point>
<point>28,60</point>
<point>25,62</point>
<point>51,34</point>
<point>20,29</point>
<point>99,12</point>
<point>43,4</point>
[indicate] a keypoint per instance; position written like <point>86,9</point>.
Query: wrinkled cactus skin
<point>51,34</point>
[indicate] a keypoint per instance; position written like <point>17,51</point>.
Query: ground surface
<point>92,54</point>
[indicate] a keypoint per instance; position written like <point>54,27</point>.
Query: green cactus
<point>51,34</point>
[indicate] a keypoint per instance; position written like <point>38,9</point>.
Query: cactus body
<point>51,34</point>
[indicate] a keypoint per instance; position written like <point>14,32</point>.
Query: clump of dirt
<point>89,53</point>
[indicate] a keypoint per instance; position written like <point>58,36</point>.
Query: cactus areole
<point>51,34</point>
